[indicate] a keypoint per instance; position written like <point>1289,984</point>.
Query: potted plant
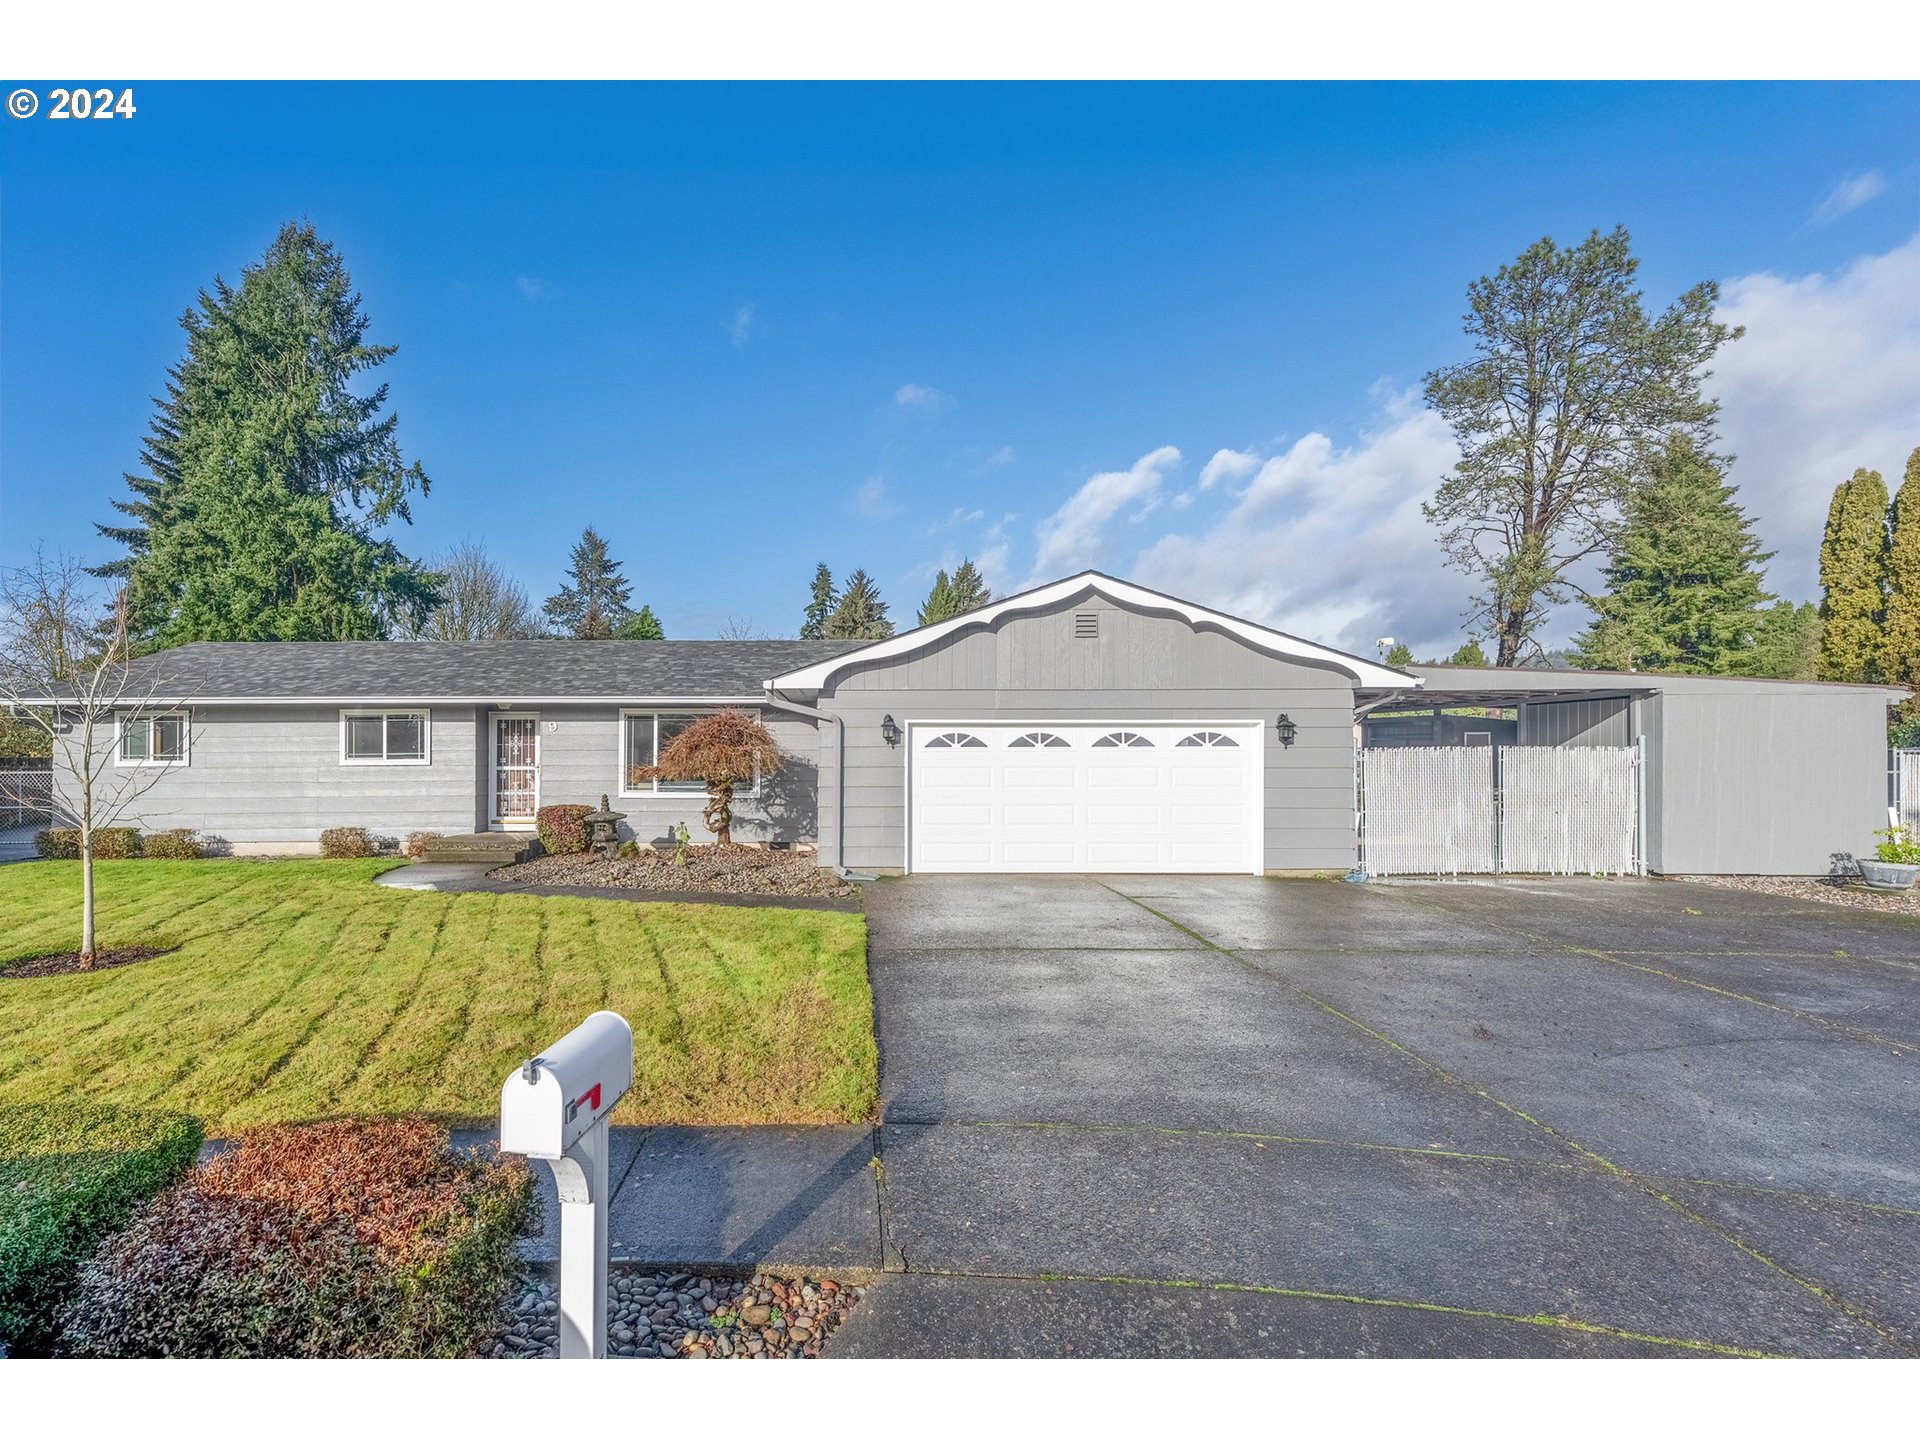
<point>1897,862</point>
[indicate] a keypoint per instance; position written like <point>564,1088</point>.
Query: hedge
<point>170,845</point>
<point>560,830</point>
<point>119,843</point>
<point>341,1238</point>
<point>70,1174</point>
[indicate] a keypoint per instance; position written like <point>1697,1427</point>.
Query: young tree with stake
<point>67,669</point>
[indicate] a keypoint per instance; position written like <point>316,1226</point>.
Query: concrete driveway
<point>1242,1116</point>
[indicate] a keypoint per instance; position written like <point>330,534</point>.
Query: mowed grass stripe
<point>300,990</point>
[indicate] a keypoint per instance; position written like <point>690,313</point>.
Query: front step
<point>495,847</point>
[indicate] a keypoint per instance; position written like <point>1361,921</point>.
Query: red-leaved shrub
<point>343,1238</point>
<point>560,830</point>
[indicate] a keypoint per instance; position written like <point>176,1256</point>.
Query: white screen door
<point>516,770</point>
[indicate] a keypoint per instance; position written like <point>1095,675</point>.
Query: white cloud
<point>921,397</point>
<point>1075,537</point>
<point>530,287</point>
<point>1850,194</point>
<point>1227,465</point>
<point>740,327</point>
<point>960,516</point>
<point>1826,379</point>
<point>872,501</point>
<point>998,460</point>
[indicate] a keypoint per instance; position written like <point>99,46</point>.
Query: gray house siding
<point>1764,782</point>
<point>1574,723</point>
<point>1141,666</point>
<point>269,777</point>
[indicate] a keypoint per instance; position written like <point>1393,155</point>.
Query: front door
<point>516,772</point>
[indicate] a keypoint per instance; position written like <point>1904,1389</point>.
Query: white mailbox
<point>554,1108</point>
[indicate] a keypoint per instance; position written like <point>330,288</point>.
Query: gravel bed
<point>720,869</point>
<point>1850,894</point>
<point>680,1316</point>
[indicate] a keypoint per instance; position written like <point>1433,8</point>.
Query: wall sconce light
<point>889,731</point>
<point>1286,730</point>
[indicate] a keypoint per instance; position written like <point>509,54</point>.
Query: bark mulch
<point>711,869</point>
<point>34,967</point>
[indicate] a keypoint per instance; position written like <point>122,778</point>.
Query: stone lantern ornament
<point>603,829</point>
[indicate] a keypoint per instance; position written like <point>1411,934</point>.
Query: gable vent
<point>1086,624</point>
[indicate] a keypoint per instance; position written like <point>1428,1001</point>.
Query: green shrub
<point>108,844</point>
<point>1899,847</point>
<point>170,845</point>
<point>346,842</point>
<point>70,1174</point>
<point>343,1238</point>
<point>560,830</point>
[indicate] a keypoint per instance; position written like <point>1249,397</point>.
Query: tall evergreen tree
<point>969,589</point>
<point>1400,656</point>
<point>1853,579</point>
<point>938,605</point>
<point>594,606</point>
<point>266,476</point>
<point>1468,654</point>
<point>1900,633</point>
<point>1683,584</point>
<point>861,613</point>
<point>820,604</point>
<point>1786,643</point>
<point>643,625</point>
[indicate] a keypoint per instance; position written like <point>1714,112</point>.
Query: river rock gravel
<point>716,869</point>
<point>1851,894</point>
<point>675,1315</point>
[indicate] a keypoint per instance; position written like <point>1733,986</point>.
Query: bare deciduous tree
<point>67,669</point>
<point>478,601</point>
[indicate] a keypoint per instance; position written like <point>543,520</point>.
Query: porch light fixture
<point>889,731</point>
<point>1286,730</point>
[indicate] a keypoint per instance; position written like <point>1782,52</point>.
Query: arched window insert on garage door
<point>956,740</point>
<point>1126,739</point>
<point>1209,739</point>
<point>1039,740</point>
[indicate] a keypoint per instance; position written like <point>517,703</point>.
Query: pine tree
<point>1786,643</point>
<point>1853,569</point>
<point>1684,582</point>
<point>1900,634</point>
<point>939,602</point>
<point>861,613</point>
<point>268,474</point>
<point>820,604</point>
<point>969,589</point>
<point>594,606</point>
<point>643,625</point>
<point>1400,656</point>
<point>1468,654</point>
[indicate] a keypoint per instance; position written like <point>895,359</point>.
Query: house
<point>1089,725</point>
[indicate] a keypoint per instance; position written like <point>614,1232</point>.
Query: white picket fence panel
<point>1428,810</point>
<point>1515,809</point>
<point>1905,765</point>
<point>1571,811</point>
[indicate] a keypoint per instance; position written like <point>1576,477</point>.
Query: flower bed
<point>70,1174</point>
<point>719,869</point>
<point>343,1238</point>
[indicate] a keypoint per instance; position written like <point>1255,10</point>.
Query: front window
<point>383,737</point>
<point>646,735</point>
<point>153,739</point>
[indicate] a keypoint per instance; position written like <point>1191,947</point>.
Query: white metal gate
<point>1515,809</point>
<point>1903,769</point>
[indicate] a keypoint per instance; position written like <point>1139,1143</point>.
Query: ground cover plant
<point>69,1175</point>
<point>300,990</point>
<point>344,1238</point>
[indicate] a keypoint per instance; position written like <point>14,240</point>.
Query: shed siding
<point>1574,723</point>
<point>1142,666</point>
<point>271,775</point>
<point>1746,781</point>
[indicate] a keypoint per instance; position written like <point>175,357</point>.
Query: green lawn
<point>301,989</point>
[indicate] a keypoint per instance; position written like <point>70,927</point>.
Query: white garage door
<point>1078,798</point>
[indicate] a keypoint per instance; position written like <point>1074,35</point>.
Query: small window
<point>1123,739</point>
<point>1209,739</point>
<point>1086,624</point>
<point>154,739</point>
<point>956,740</point>
<point>384,737</point>
<point>1479,739</point>
<point>1038,740</point>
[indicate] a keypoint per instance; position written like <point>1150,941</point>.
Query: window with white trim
<point>955,740</point>
<point>1123,740</point>
<point>159,739</point>
<point>643,735</point>
<point>385,737</point>
<point>1039,740</point>
<point>1209,740</point>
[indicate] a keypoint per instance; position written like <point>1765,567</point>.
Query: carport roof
<point>1445,685</point>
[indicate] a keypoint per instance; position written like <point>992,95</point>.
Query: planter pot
<point>1879,875</point>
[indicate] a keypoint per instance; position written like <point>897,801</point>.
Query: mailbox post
<point>554,1108</point>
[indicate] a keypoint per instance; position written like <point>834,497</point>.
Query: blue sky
<point>1172,331</point>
